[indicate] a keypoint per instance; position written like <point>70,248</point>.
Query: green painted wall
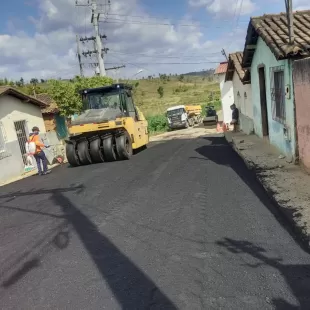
<point>264,56</point>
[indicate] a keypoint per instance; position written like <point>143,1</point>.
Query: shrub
<point>157,123</point>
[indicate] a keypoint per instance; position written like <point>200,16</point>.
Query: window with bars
<point>278,93</point>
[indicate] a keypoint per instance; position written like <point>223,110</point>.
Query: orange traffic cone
<point>219,128</point>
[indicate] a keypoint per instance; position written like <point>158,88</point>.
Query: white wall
<point>227,97</point>
<point>12,110</point>
<point>243,103</point>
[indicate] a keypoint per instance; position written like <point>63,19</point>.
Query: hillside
<point>192,90</point>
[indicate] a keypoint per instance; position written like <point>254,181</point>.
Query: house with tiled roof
<point>19,113</point>
<point>53,121</point>
<point>242,90</point>
<point>226,88</point>
<point>270,55</point>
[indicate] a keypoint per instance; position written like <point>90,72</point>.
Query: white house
<point>18,114</point>
<point>241,82</point>
<point>227,92</point>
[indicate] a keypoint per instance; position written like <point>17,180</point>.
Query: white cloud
<point>223,8</point>
<point>132,34</point>
<point>300,5</point>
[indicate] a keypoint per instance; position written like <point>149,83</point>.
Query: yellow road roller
<point>109,128</point>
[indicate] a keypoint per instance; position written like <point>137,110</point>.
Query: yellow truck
<point>184,116</point>
<point>109,128</point>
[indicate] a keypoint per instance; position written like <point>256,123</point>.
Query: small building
<point>242,90</point>
<point>19,113</point>
<point>53,121</point>
<point>227,93</point>
<point>269,56</point>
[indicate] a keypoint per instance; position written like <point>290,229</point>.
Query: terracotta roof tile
<point>235,64</point>
<point>52,105</point>
<point>8,90</point>
<point>222,68</point>
<point>273,29</point>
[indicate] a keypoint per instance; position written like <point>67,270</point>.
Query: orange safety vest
<point>39,144</point>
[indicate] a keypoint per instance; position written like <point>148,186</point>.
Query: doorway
<point>263,101</point>
<point>22,137</point>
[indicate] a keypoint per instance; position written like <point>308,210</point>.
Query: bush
<point>157,123</point>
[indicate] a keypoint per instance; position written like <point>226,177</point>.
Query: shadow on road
<point>220,152</point>
<point>296,276</point>
<point>131,287</point>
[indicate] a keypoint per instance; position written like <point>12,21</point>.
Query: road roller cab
<point>109,128</point>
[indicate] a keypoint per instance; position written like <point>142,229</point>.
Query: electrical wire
<point>118,21</point>
<point>166,56</point>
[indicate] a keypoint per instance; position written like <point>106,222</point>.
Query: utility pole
<point>79,55</point>
<point>224,54</point>
<point>289,14</point>
<point>95,19</point>
<point>98,50</point>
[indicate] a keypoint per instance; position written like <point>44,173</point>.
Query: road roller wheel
<point>71,155</point>
<point>108,149</point>
<point>96,153</point>
<point>123,146</point>
<point>83,152</point>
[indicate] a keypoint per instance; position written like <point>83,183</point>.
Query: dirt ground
<point>191,132</point>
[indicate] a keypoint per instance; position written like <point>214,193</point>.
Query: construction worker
<point>39,154</point>
<point>235,117</point>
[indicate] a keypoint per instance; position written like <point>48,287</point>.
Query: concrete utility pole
<point>95,19</point>
<point>290,17</point>
<point>224,54</point>
<point>98,50</point>
<point>79,55</point>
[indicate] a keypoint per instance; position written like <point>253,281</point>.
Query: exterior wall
<point>49,122</point>
<point>243,101</point>
<point>227,97</point>
<point>301,78</point>
<point>263,56</point>
<point>12,109</point>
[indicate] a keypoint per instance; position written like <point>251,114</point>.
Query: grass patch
<point>157,123</point>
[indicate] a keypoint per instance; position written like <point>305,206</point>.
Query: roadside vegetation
<point>153,95</point>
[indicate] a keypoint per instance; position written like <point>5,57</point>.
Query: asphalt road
<point>183,225</point>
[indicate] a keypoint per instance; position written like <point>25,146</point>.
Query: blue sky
<point>38,37</point>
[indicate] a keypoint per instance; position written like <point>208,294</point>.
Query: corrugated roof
<point>235,64</point>
<point>52,105</point>
<point>8,90</point>
<point>222,68</point>
<point>273,29</point>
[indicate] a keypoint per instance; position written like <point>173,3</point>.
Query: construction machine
<point>109,128</point>
<point>183,116</point>
<point>211,116</point>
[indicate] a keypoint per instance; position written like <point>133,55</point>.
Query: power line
<point>171,63</point>
<point>166,56</point>
<point>117,21</point>
<point>150,17</point>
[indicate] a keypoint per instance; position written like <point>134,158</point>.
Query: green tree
<point>181,78</point>
<point>66,93</point>
<point>160,91</point>
<point>34,81</point>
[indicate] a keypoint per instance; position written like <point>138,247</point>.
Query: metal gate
<point>301,78</point>
<point>22,137</point>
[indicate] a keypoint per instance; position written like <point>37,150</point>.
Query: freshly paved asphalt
<point>183,225</point>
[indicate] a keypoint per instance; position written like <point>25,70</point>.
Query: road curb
<point>30,174</point>
<point>299,234</point>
